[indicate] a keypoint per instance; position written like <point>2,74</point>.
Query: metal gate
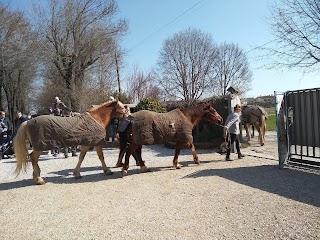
<point>298,127</point>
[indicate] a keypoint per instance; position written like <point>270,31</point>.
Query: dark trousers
<point>233,138</point>
<point>124,142</point>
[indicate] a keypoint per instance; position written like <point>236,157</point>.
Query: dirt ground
<point>249,198</point>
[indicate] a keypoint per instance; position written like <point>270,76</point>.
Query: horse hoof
<point>178,166</point>
<point>40,181</point>
<point>124,173</point>
<point>262,144</point>
<point>197,162</point>
<point>108,172</point>
<point>77,176</point>
<point>145,169</point>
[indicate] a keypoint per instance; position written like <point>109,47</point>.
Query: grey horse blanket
<point>251,114</point>
<point>51,132</point>
<point>152,128</point>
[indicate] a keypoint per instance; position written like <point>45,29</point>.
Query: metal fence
<point>300,110</point>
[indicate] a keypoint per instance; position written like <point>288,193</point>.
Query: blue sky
<point>232,21</point>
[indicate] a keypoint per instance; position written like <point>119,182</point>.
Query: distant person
<point>56,110</point>
<point>6,122</point>
<point>20,118</point>
<point>58,106</point>
<point>232,130</point>
<point>68,113</point>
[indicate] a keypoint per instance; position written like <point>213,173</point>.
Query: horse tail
<point>20,148</point>
<point>263,128</point>
<point>263,123</point>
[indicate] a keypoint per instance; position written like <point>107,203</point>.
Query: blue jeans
<point>112,131</point>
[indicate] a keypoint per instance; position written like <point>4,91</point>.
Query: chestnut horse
<point>86,130</point>
<point>175,125</point>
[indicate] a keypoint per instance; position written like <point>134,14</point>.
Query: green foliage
<point>151,105</point>
<point>271,123</point>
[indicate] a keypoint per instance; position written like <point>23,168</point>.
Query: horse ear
<point>207,106</point>
<point>117,99</point>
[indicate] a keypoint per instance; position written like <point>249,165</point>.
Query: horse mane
<point>195,110</point>
<point>104,105</point>
<point>95,107</point>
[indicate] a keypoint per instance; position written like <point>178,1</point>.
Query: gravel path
<point>249,198</point>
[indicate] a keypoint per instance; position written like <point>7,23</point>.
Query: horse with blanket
<point>254,116</point>
<point>149,127</point>
<point>49,132</point>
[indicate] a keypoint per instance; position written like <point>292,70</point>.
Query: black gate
<point>298,123</point>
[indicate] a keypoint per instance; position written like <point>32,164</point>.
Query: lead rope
<point>227,138</point>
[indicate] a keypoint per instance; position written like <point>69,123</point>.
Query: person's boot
<point>228,158</point>
<point>240,155</point>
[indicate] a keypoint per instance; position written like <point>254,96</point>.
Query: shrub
<point>151,105</point>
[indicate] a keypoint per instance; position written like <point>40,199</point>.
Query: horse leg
<point>247,127</point>
<point>83,151</point>
<point>252,126</point>
<point>137,156</point>
<point>176,154</point>
<point>258,127</point>
<point>120,157</point>
<point>34,157</point>
<point>194,153</point>
<point>130,150</point>
<point>106,170</point>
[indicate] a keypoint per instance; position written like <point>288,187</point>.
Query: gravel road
<point>249,198</point>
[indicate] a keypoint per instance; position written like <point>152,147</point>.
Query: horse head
<point>211,115</point>
<point>120,110</point>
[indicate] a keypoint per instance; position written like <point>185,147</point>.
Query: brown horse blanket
<point>49,132</point>
<point>152,128</point>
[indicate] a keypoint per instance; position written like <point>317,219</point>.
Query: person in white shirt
<point>232,129</point>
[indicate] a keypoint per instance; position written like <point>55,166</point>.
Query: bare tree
<point>185,62</point>
<point>17,60</point>
<point>75,35</point>
<point>142,85</point>
<point>231,69</point>
<point>295,25</point>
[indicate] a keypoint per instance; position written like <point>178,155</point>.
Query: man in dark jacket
<point>17,122</point>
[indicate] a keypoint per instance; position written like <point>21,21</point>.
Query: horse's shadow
<point>162,151</point>
<point>65,177</point>
<point>294,184</point>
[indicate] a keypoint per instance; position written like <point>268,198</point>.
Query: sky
<point>240,22</point>
<point>243,22</point>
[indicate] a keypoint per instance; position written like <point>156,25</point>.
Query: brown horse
<point>152,128</point>
<point>48,132</point>
<point>254,116</point>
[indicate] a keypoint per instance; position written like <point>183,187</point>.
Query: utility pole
<point>118,73</point>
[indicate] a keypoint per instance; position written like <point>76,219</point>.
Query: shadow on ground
<point>294,184</point>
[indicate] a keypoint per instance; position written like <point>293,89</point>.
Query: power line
<point>166,25</point>
<point>262,45</point>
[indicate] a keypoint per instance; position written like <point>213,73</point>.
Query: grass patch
<point>271,123</point>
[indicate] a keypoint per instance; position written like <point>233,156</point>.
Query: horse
<point>149,127</point>
<point>254,116</point>
<point>47,132</point>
